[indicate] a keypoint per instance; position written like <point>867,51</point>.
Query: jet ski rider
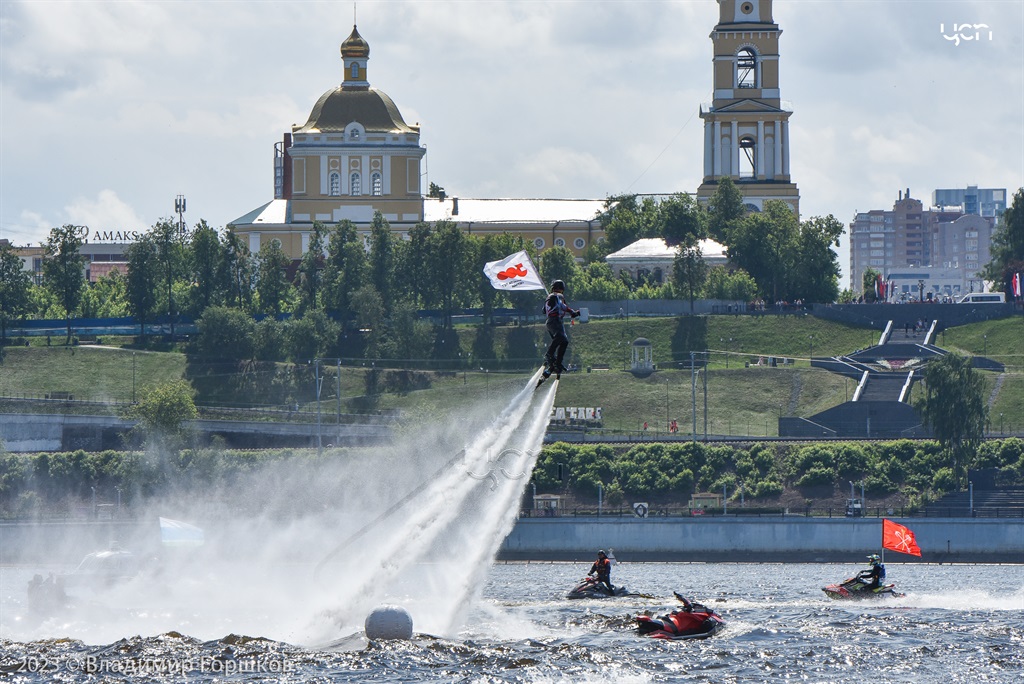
<point>874,575</point>
<point>603,568</point>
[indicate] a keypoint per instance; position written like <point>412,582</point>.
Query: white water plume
<point>274,522</point>
<point>455,526</point>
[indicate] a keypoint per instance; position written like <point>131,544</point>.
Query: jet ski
<point>856,589</point>
<point>589,588</point>
<point>692,621</point>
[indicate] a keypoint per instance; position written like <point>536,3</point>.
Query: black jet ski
<point>855,588</point>
<point>589,588</point>
<point>692,621</point>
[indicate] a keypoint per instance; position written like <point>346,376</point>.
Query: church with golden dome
<point>356,155</point>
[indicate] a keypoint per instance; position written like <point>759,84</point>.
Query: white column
<point>325,180</point>
<point>777,162</point>
<point>709,151</point>
<point>718,149</point>
<point>785,149</point>
<point>760,149</point>
<point>734,170</point>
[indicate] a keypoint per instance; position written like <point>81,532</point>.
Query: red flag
<point>896,537</point>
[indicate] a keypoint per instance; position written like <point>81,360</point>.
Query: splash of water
<point>445,544</point>
<point>255,574</point>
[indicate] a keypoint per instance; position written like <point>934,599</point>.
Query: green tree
<point>170,251</point>
<point>558,263</point>
<point>683,220</point>
<point>15,284</point>
<point>345,267</point>
<point>736,285</point>
<point>725,209</point>
<point>765,245</point>
<point>369,310</point>
<point>206,258</point>
<point>689,271</point>
<point>867,282</point>
<point>446,269</point>
<point>107,297</point>
<point>816,271</point>
<point>1008,246</point>
<point>237,269</point>
<point>142,281</point>
<point>954,407</point>
<point>272,283</point>
<point>627,218</point>
<point>382,259</point>
<point>163,411</point>
<point>225,333</point>
<point>311,268</point>
<point>62,269</point>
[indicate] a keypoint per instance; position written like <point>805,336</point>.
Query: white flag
<point>514,272</point>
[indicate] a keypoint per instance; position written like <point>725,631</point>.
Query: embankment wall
<point>719,539</point>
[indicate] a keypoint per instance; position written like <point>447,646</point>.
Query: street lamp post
<point>985,337</point>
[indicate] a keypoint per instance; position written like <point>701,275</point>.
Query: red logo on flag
<point>512,272</point>
<point>896,537</point>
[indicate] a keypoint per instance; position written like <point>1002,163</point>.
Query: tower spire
<point>355,53</point>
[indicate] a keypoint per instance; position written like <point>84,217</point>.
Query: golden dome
<point>355,46</point>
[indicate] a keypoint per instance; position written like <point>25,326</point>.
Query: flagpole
<point>883,541</point>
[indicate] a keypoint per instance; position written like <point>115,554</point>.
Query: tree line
<point>361,281</point>
<point>660,474</point>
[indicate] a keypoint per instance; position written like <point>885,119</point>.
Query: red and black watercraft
<point>692,621</point>
<point>855,588</point>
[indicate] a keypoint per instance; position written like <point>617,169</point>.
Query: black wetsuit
<point>554,309</point>
<point>873,577</point>
<point>603,568</point>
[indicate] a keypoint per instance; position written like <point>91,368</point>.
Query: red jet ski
<point>692,621</point>
<point>855,589</point>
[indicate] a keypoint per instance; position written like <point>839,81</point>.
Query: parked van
<point>983,298</point>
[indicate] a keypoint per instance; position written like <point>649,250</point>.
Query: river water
<point>957,623</point>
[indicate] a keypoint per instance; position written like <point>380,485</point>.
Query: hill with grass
<point>743,398</point>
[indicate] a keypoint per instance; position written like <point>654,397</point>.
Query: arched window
<point>746,68</point>
<point>748,158</point>
<point>376,184</point>
<point>355,187</point>
<point>335,183</point>
<point>355,71</point>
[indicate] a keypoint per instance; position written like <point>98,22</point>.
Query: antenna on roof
<point>354,22</point>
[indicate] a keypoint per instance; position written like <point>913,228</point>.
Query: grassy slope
<point>740,400</point>
<point>87,373</point>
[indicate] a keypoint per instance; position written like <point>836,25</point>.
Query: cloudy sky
<point>108,110</point>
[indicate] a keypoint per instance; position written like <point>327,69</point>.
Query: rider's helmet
<point>601,553</point>
<point>874,560</point>
<point>558,286</point>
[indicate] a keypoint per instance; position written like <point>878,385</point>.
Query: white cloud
<point>516,99</point>
<point>106,212</point>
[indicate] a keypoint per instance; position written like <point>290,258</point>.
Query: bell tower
<point>746,126</point>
